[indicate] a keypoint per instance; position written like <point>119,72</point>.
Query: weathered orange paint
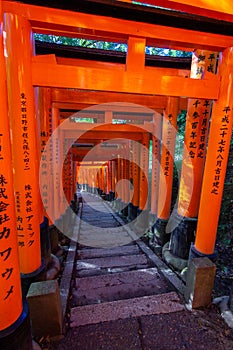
<point>56,165</point>
<point>136,174</point>
<point>45,121</point>
<point>67,23</point>
<point>144,167</point>
<point>196,135</point>
<point>167,158</point>
<point>63,76</point>
<point>24,147</point>
<point>156,139</point>
<point>216,159</point>
<point>135,59</point>
<point>10,284</point>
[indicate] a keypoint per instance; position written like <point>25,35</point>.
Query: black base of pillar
<point>100,192</point>
<point>159,232</point>
<point>29,278</point>
<point>107,197</point>
<point>103,196</point>
<point>74,206</point>
<point>45,245</point>
<point>182,235</point>
<point>124,210</point>
<point>152,220</point>
<point>53,233</point>
<point>132,212</point>
<point>112,195</point>
<point>18,336</point>
<point>194,253</point>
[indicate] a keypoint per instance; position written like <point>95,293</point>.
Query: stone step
<point>99,271</point>
<point>124,285</point>
<point>111,262</point>
<point>98,252</point>
<point>115,310</point>
<point>100,237</point>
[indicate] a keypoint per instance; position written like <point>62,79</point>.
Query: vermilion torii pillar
<point>133,208</point>
<point>156,152</point>
<point>45,116</point>
<point>142,222</point>
<point>216,161</point>
<point>166,170</point>
<point>24,131</point>
<point>196,135</point>
<point>12,314</point>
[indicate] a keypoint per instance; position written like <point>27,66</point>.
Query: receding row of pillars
<point>25,117</point>
<point>192,226</point>
<point>27,123</point>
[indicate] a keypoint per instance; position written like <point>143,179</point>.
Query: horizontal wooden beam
<point>125,82</point>
<point>116,107</point>
<point>221,10</point>
<point>101,136</point>
<point>68,99</point>
<point>111,129</point>
<point>85,25</point>
<point>110,65</point>
<point>71,99</point>
<point>135,118</point>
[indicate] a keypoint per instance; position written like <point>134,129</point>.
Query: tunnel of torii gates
<point>38,92</point>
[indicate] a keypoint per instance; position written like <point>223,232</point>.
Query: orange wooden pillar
<point>66,172</point>
<point>63,203</point>
<point>125,177</point>
<point>12,314</point>
<point>156,150</point>
<point>45,116</point>
<point>144,166</point>
<point>113,179</point>
<point>155,172</point>
<point>196,135</point>
<point>142,222</point>
<point>109,180</point>
<point>24,146</point>
<point>56,163</point>
<point>216,161</point>
<point>133,208</point>
<point>131,190</point>
<point>166,170</point>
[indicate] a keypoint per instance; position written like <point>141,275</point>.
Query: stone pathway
<point>120,299</point>
<point>114,281</point>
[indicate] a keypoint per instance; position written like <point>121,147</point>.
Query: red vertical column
<point>216,160</point>
<point>195,141</point>
<point>56,163</point>
<point>44,114</point>
<point>24,131</point>
<point>166,170</point>
<point>11,304</point>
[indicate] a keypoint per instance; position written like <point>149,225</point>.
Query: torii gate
<point>23,71</point>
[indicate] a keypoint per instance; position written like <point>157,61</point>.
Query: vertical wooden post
<point>24,131</point>
<point>144,165</point>
<point>113,184</point>
<point>216,160</point>
<point>44,114</point>
<point>135,181</point>
<point>156,138</point>
<point>142,222</point>
<point>196,133</point>
<point>56,164</point>
<point>166,172</point>
<point>11,305</point>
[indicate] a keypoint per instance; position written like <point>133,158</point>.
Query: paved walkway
<point>124,297</point>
